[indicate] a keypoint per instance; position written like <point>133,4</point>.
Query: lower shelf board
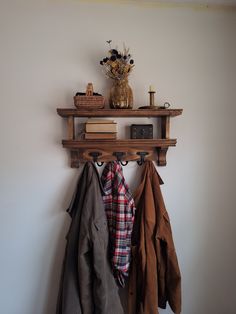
<point>81,150</point>
<point>113,144</point>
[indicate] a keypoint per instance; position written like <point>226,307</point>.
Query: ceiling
<point>205,2</point>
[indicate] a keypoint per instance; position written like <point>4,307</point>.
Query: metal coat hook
<point>95,158</point>
<point>119,156</point>
<point>142,157</point>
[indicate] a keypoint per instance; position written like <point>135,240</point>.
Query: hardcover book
<point>101,127</point>
<point>98,121</point>
<point>100,136</point>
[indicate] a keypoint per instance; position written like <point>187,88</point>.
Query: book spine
<point>95,136</point>
<point>101,128</point>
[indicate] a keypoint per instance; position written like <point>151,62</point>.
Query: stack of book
<point>100,129</point>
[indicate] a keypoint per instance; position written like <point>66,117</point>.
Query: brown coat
<point>154,276</point>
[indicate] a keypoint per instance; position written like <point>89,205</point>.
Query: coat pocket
<point>101,231</point>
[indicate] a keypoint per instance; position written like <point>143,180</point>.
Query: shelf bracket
<point>161,151</point>
<point>74,154</point>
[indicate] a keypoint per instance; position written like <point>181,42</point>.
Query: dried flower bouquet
<point>117,65</point>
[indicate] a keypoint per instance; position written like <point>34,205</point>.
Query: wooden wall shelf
<point>65,113</point>
<point>156,148</point>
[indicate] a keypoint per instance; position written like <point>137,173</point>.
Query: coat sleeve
<point>172,274</point>
<point>169,278</point>
<point>85,275</point>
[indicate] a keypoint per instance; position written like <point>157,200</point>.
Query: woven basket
<point>89,102</point>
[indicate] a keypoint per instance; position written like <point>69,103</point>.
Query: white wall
<point>50,50</point>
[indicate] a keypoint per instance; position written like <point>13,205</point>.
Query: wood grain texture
<point>165,127</point>
<point>118,144</point>
<point>71,128</point>
<point>162,151</point>
<point>65,113</point>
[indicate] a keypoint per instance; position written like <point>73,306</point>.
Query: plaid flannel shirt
<point>120,210</point>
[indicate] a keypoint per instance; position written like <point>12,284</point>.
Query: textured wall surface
<point>50,50</point>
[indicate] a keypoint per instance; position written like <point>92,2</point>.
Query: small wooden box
<point>140,131</point>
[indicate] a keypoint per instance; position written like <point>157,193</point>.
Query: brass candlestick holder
<point>151,101</point>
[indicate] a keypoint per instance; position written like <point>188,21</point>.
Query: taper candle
<point>151,88</point>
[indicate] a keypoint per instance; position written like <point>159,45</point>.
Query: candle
<point>151,88</point>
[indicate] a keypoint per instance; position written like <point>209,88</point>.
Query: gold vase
<point>121,95</point>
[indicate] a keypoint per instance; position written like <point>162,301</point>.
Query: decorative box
<point>139,131</point>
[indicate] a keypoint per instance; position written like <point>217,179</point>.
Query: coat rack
<point>82,150</point>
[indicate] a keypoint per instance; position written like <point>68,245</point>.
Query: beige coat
<point>87,283</point>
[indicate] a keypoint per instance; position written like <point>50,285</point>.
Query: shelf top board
<point>67,112</point>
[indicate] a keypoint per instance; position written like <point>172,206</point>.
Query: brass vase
<point>121,95</point>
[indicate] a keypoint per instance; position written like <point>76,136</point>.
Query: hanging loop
<point>142,157</point>
<point>100,163</point>
<point>166,105</point>
<point>95,156</point>
<point>119,155</point>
